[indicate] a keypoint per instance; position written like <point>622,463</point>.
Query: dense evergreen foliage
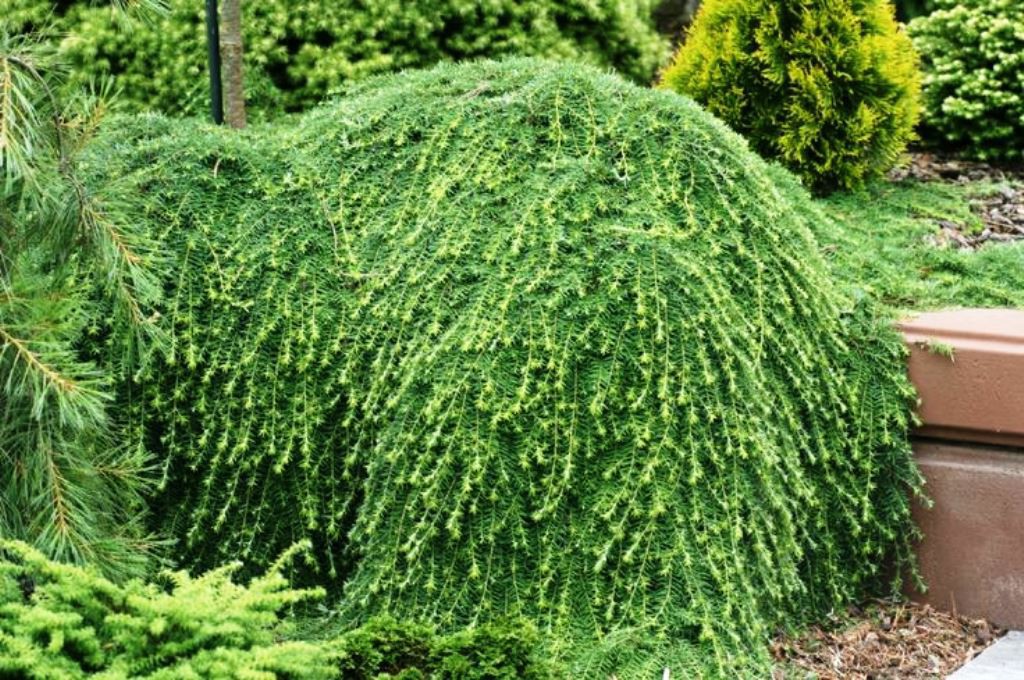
<point>973,56</point>
<point>829,88</point>
<point>298,50</point>
<point>520,339</point>
<point>384,648</point>
<point>61,621</point>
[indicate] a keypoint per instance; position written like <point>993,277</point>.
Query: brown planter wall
<point>970,449</point>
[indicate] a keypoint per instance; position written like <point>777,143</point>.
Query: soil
<point>1000,208</point>
<point>886,640</point>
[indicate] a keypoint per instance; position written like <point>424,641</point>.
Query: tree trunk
<point>231,57</point>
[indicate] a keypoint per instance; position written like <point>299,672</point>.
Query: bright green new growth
<point>62,621</point>
<point>521,338</point>
<point>973,57</point>
<point>298,50</point>
<point>828,88</point>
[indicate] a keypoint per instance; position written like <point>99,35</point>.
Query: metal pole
<point>213,47</point>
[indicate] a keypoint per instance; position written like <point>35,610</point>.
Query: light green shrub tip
<point>67,622</point>
<point>520,338</point>
<point>829,89</point>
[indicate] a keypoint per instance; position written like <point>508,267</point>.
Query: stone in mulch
<point>1000,211</point>
<point>1002,217</point>
<point>886,640</point>
<point>1002,661</point>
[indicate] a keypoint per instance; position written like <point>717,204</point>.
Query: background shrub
<point>25,16</point>
<point>973,57</point>
<point>298,50</point>
<point>514,339</point>
<point>674,15</point>
<point>829,88</point>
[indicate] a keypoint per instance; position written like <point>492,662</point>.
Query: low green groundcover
<point>885,240</point>
<point>519,338</point>
<point>61,621</point>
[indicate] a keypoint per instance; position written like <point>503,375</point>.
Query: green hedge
<point>829,89</point>
<point>514,339</point>
<point>973,55</point>
<point>298,50</point>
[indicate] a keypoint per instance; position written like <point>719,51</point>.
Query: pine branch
<point>79,403</point>
<point>67,266</point>
<point>28,116</point>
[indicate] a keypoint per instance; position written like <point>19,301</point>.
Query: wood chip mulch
<point>932,167</point>
<point>885,640</point>
<point>1001,210</point>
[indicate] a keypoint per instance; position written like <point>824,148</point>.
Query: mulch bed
<point>932,167</point>
<point>1001,210</point>
<point>886,640</point>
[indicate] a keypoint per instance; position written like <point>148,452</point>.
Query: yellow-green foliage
<point>520,338</point>
<point>61,621</point>
<point>830,88</point>
<point>973,55</point>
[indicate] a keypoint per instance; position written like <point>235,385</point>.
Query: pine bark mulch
<point>885,640</point>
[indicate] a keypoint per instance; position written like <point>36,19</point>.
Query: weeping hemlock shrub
<point>973,58</point>
<point>520,338</point>
<point>829,88</point>
<point>62,621</point>
<point>298,50</point>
